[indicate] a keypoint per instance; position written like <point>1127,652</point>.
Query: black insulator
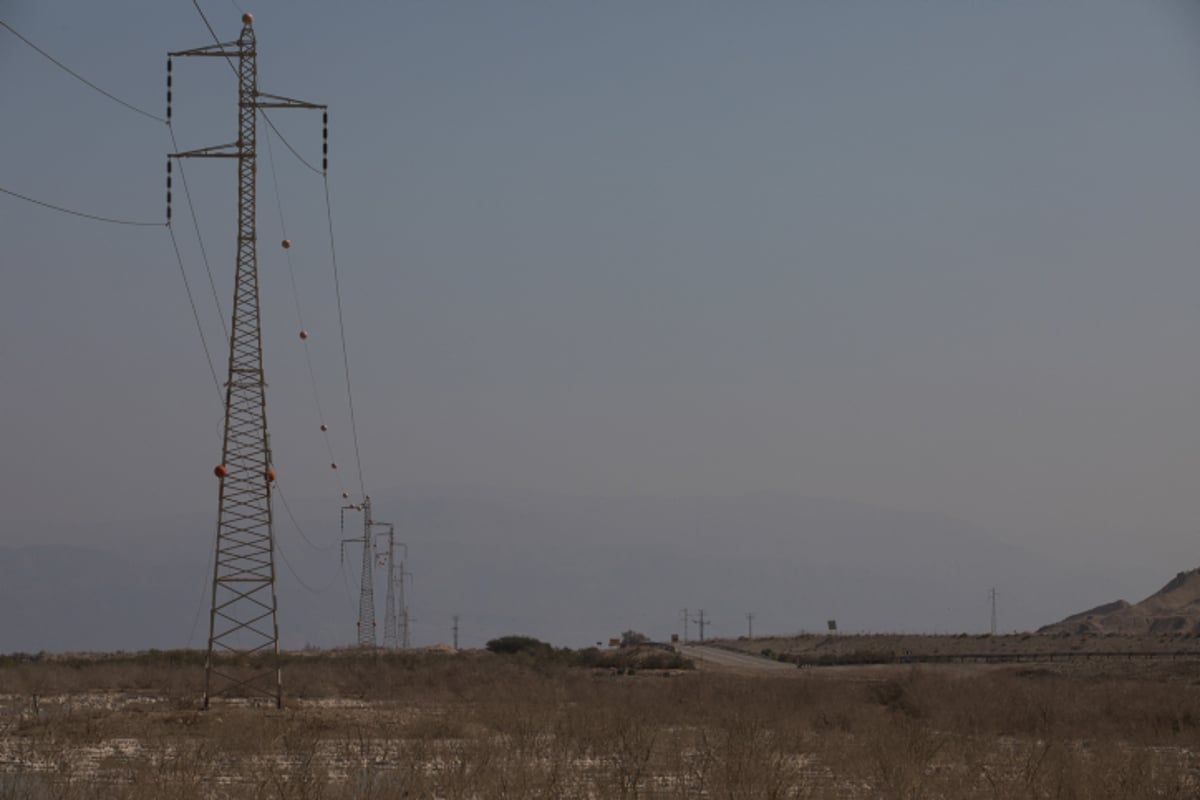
<point>168,199</point>
<point>325,133</point>
<point>168,213</point>
<point>168,112</point>
<point>168,81</point>
<point>168,167</point>
<point>168,182</point>
<point>325,148</point>
<point>168,65</point>
<point>168,97</point>
<point>325,118</point>
<point>324,164</point>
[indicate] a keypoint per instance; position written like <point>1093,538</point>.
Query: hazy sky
<point>939,256</point>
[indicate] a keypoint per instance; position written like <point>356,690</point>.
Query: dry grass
<point>482,726</point>
<point>828,649</point>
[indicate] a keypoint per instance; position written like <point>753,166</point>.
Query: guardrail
<point>857,659</point>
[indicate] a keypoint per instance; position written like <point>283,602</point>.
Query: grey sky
<point>937,256</point>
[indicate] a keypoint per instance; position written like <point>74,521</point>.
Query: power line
<point>196,316</point>
<point>203,592</point>
<point>333,252</point>
<point>187,194</point>
<point>300,580</point>
<point>288,144</point>
<point>312,374</point>
<point>266,118</point>
<point>342,330</point>
<point>300,530</point>
<point>79,77</point>
<point>83,214</point>
<point>213,33</point>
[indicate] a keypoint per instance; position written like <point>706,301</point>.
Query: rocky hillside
<point>1175,608</point>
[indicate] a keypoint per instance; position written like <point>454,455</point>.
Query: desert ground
<point>553,725</point>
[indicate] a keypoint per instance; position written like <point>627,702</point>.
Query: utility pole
<point>684,615</point>
<point>243,624</point>
<point>993,598</point>
<point>455,629</point>
<point>750,624</point>
<point>366,589</point>
<point>701,623</point>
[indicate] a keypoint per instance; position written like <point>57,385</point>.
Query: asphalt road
<point>715,656</point>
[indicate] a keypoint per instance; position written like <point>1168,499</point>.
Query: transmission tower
<point>455,631</point>
<point>701,622</point>
<point>391,628</point>
<point>405,619</point>
<point>243,631</point>
<point>366,590</point>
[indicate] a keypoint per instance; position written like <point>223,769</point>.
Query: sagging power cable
<point>85,215</point>
<point>79,77</point>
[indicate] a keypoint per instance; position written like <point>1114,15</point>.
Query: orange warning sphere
<point>303,334</point>
<point>270,476</point>
<point>324,427</point>
<point>247,19</point>
<point>287,243</point>
<point>345,495</point>
<point>220,471</point>
<point>333,465</point>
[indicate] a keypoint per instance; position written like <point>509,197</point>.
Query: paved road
<point>717,657</point>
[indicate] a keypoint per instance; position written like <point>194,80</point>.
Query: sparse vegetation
<point>508,645</point>
<point>545,725</point>
<point>632,638</point>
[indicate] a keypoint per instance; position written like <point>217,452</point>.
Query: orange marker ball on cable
<point>333,465</point>
<point>303,335</point>
<point>345,495</point>
<point>247,19</point>
<point>220,471</point>
<point>287,243</point>
<point>270,476</point>
<point>324,428</point>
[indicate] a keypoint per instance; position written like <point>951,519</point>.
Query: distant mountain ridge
<point>1175,608</point>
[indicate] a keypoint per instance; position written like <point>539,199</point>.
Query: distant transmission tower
<point>366,589</point>
<point>455,630</point>
<point>243,631</point>
<point>992,593</point>
<point>391,628</point>
<point>405,619</point>
<point>701,622</point>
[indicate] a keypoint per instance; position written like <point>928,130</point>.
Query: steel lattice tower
<point>393,635</point>
<point>243,641</point>
<point>366,590</point>
<point>391,631</point>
